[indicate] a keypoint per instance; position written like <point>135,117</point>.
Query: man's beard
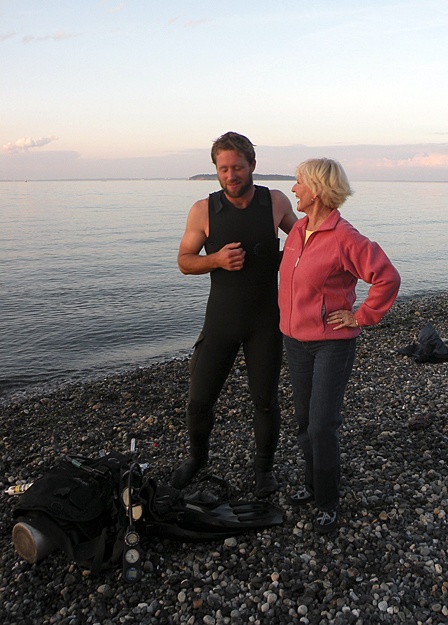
<point>236,193</point>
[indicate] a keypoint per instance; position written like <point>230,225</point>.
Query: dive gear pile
<point>97,511</point>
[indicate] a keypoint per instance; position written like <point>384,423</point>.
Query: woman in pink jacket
<point>323,259</point>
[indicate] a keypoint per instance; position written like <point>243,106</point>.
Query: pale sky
<point>141,88</point>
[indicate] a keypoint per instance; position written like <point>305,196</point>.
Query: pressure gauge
<point>132,574</point>
<point>132,556</point>
<point>131,538</point>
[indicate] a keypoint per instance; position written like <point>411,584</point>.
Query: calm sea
<point>90,284</point>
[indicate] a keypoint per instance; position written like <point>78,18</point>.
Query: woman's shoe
<point>326,520</point>
<point>301,497</point>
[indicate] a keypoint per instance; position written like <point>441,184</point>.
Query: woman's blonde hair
<point>327,179</point>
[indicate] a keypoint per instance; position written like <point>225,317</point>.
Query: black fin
<point>170,515</point>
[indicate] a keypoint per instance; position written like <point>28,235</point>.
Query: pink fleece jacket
<point>321,276</point>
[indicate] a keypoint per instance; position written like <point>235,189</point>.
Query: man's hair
<point>234,141</point>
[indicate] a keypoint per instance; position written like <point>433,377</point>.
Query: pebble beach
<point>386,563</point>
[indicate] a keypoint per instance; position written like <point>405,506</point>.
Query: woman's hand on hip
<point>342,319</point>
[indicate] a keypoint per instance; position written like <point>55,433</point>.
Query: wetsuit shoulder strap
<point>264,196</point>
<point>215,202</point>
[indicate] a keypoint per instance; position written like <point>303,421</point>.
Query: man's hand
<point>231,257</point>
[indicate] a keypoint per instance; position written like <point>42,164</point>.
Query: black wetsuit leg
<point>210,366</point>
<point>263,351</point>
<point>250,320</point>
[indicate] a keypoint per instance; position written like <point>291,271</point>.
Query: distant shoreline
<point>255,177</point>
<point>205,177</point>
<point>195,177</point>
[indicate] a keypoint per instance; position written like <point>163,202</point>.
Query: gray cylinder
<point>30,543</point>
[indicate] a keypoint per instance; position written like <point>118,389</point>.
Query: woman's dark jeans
<point>319,373</point>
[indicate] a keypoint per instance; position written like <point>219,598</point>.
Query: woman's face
<point>303,194</point>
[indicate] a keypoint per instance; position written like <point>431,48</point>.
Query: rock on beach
<point>387,562</point>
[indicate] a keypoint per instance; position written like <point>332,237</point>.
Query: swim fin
<point>199,517</point>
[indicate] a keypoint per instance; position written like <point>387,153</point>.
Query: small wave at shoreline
<point>412,310</point>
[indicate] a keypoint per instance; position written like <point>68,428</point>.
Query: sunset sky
<point>141,88</point>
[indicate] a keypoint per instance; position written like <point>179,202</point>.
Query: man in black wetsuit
<point>238,228</point>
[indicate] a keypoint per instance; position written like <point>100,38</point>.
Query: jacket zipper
<point>292,294</point>
<point>292,283</point>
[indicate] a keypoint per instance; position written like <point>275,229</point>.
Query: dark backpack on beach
<point>428,348</point>
<point>76,505</point>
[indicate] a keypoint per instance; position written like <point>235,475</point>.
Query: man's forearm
<point>197,264</point>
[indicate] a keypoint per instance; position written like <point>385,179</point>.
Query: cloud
<point>194,23</point>
<point>58,36</point>
<point>24,144</point>
<point>6,36</point>
<point>424,160</point>
<point>364,162</point>
<point>187,23</point>
<point>117,8</point>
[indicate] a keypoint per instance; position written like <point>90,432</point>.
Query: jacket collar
<point>328,224</point>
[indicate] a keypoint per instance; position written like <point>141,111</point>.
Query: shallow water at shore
<point>90,283</point>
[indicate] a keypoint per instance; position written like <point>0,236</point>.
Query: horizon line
<point>189,179</point>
